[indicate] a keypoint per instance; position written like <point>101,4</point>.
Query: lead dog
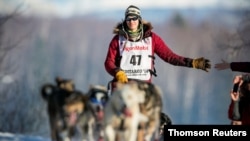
<point>69,111</point>
<point>122,113</point>
<point>64,108</point>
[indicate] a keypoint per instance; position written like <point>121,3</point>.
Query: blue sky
<point>67,8</point>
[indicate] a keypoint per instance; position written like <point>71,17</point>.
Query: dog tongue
<point>100,115</point>
<point>72,118</point>
<point>127,112</point>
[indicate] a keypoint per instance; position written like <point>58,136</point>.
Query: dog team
<point>132,112</point>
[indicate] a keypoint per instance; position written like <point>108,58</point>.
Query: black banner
<point>176,131</point>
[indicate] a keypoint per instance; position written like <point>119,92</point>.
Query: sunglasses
<point>133,19</point>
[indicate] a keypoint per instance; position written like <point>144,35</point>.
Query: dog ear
<point>66,84</point>
<point>69,85</point>
<point>58,79</point>
<point>91,86</point>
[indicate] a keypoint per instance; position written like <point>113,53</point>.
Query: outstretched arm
<point>222,66</point>
<point>234,66</point>
<point>166,54</point>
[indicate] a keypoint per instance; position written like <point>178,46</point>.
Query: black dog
<point>165,121</point>
<point>64,108</point>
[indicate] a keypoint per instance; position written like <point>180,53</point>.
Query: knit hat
<point>133,11</point>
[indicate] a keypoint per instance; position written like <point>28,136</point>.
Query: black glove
<point>201,63</point>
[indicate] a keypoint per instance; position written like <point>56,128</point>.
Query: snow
<point>15,137</point>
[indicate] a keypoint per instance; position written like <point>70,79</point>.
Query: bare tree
<point>237,42</point>
<point>7,45</point>
<point>8,86</point>
<point>244,30</point>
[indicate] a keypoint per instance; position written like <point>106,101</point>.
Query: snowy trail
<point>14,137</point>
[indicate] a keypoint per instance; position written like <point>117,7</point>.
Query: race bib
<point>136,60</point>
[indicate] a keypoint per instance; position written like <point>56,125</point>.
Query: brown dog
<point>65,105</point>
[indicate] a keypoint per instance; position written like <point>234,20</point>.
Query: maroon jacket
<point>240,66</point>
<point>112,61</point>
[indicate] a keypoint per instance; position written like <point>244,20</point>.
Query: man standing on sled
<point>131,51</point>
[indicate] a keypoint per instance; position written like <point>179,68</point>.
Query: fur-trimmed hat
<point>133,11</point>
